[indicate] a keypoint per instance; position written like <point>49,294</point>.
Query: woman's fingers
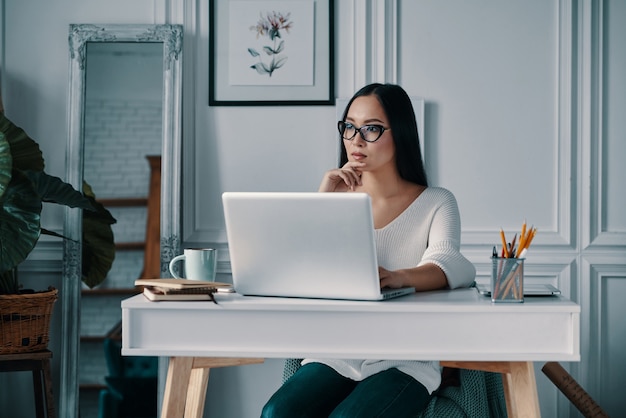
<point>350,178</point>
<point>349,175</point>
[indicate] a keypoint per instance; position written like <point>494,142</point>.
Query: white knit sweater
<point>428,231</point>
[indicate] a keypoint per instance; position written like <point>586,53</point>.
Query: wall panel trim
<point>596,270</point>
<point>562,236</point>
<point>594,140</point>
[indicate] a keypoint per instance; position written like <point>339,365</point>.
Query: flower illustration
<point>271,25</point>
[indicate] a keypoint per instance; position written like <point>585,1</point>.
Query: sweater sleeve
<point>444,242</point>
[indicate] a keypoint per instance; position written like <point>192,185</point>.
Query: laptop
<point>303,245</point>
<point>529,290</point>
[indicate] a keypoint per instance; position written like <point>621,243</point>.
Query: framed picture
<point>271,52</point>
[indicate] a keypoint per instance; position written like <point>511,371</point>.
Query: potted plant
<point>24,187</point>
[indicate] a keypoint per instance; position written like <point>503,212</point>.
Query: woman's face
<point>366,110</point>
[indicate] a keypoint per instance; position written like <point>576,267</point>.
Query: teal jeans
<point>315,390</point>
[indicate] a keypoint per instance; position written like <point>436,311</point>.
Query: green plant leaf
<point>24,150</point>
<point>23,187</point>
<point>52,189</point>
<point>9,283</point>
<point>98,241</point>
<point>6,163</point>
<point>98,250</point>
<point>20,216</point>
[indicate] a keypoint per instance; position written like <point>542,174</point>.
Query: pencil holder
<point>507,280</point>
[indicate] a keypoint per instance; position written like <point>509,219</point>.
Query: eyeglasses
<point>369,133</point>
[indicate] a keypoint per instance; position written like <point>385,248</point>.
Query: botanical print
<point>270,26</point>
<point>271,42</point>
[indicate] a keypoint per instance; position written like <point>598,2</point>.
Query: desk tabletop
<point>460,300</point>
<point>442,325</point>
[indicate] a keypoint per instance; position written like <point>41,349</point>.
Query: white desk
<point>460,328</point>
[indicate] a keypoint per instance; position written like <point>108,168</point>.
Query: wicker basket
<point>25,321</point>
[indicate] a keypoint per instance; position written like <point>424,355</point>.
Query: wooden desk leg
<point>520,391</point>
<point>518,379</point>
<point>187,382</point>
<point>196,394</point>
<point>175,396</point>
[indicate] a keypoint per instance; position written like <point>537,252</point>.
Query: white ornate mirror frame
<point>79,35</point>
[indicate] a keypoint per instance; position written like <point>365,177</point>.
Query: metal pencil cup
<point>507,280</point>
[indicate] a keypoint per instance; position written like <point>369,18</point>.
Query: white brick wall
<point>118,136</point>
<point>131,223</point>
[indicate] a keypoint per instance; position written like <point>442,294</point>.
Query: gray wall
<point>529,90</point>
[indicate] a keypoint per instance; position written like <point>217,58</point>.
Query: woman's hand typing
<point>390,279</point>
<point>422,278</point>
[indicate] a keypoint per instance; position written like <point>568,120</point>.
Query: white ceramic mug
<point>200,264</point>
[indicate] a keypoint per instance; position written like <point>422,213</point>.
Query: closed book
<point>156,294</point>
<point>181,284</point>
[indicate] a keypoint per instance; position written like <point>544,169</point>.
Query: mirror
<point>134,72</point>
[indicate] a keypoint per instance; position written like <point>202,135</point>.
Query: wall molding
<point>47,257</point>
<point>375,42</point>
<point>566,211</point>
<point>597,271</point>
<point>593,137</point>
<point>562,237</point>
<point>384,49</point>
<point>191,37</point>
<point>587,86</point>
<point>360,47</point>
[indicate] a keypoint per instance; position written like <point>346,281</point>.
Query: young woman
<point>417,238</point>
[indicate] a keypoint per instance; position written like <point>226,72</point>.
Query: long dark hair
<point>399,110</point>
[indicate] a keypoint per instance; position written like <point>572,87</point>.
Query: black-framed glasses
<point>369,133</point>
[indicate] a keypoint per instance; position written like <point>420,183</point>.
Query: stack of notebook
<point>181,289</point>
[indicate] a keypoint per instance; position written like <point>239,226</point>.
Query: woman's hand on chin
<point>342,179</point>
